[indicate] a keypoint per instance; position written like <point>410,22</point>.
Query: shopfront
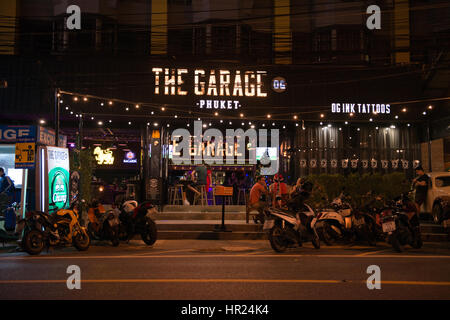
<point>325,121</point>
<point>39,171</point>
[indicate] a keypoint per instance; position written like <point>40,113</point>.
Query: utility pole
<point>57,113</point>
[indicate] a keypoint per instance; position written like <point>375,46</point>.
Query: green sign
<point>58,178</point>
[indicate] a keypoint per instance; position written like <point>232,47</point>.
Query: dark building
<point>322,49</point>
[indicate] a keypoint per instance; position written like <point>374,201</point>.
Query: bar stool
<point>203,196</point>
<point>241,196</point>
<point>177,194</point>
<point>171,191</point>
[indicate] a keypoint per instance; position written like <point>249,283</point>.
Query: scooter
<point>136,219</point>
<point>103,225</point>
<point>287,229</point>
<point>396,224</point>
<point>339,222</point>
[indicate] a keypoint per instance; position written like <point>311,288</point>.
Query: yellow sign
<point>223,191</point>
<point>25,155</point>
<point>103,156</point>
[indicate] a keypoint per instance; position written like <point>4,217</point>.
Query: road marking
<point>372,252</point>
<point>287,281</point>
<point>164,251</point>
<point>159,256</point>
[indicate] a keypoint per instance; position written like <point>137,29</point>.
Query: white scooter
<point>338,222</point>
<point>288,229</point>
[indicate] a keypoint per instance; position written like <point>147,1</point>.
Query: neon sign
<point>363,108</point>
<point>130,157</point>
<point>103,156</point>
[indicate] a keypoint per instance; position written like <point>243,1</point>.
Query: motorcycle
<point>103,225</point>
<point>339,222</point>
<point>136,219</point>
<point>396,224</point>
<point>287,229</point>
<point>41,230</point>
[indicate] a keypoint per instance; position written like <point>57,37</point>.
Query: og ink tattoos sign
<point>58,178</point>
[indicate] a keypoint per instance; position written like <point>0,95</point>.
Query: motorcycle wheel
<point>123,234</point>
<point>114,236</point>
<point>81,241</point>
<point>276,239</point>
<point>325,232</point>
<point>33,242</point>
<point>395,243</point>
<point>150,234</point>
<point>371,233</point>
<point>315,241</point>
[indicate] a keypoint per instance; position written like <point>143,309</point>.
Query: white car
<point>438,195</point>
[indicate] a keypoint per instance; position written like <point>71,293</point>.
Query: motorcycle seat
<point>345,212</point>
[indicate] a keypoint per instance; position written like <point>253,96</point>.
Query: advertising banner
<point>58,178</point>
<point>17,133</point>
<point>25,155</point>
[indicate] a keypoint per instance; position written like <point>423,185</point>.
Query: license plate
<point>268,224</point>
<point>447,223</point>
<point>389,226</point>
<point>313,222</point>
<point>113,222</point>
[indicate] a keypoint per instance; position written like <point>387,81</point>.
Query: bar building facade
<point>179,60</point>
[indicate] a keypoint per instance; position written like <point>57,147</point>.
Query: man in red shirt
<point>256,192</point>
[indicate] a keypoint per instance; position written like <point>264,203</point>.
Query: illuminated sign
<point>58,178</point>
<point>279,84</point>
<point>212,83</point>
<point>17,133</point>
<point>103,156</point>
<point>363,108</point>
<point>130,157</point>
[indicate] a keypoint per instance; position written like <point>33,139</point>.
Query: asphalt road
<point>226,270</point>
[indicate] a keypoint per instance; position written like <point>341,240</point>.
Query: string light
<point>42,121</point>
<point>100,123</point>
<point>351,114</point>
<point>396,117</point>
<point>430,107</point>
<point>137,106</point>
<point>241,115</point>
<point>110,103</point>
<point>269,116</point>
<point>85,99</point>
<point>322,115</point>
<point>163,109</point>
<point>295,117</point>
<point>75,99</point>
<point>404,110</point>
<point>216,114</point>
<point>102,104</point>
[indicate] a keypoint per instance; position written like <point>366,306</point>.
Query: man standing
<point>6,186</point>
<point>421,183</point>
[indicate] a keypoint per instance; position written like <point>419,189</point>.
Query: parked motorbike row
<point>65,227</point>
<point>395,222</point>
